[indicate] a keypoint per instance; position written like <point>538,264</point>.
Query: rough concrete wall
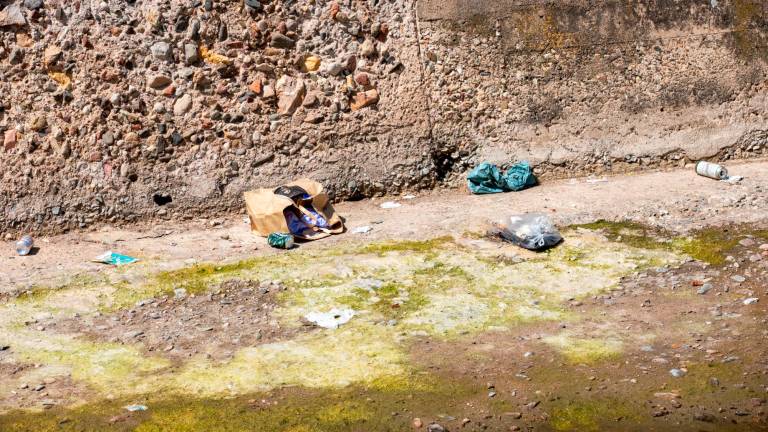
<point>95,125</point>
<point>596,85</point>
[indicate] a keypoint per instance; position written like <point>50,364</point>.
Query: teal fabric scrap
<point>487,178</point>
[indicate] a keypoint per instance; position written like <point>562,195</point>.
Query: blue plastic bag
<point>115,259</point>
<point>487,178</point>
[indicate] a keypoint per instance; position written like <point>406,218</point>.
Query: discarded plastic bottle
<point>24,246</point>
<point>711,170</point>
<point>280,240</point>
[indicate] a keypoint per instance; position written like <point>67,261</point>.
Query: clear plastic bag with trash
<point>533,231</point>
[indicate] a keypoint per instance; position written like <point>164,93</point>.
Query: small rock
<point>191,54</point>
<point>38,123</point>
<point>704,289</point>
<point>332,68</point>
<point>677,373</point>
<point>161,50</point>
<point>280,40</point>
<point>747,242</point>
<point>704,417</point>
<point>434,427</point>
<point>290,96</point>
<point>367,48</point>
<point>532,405</point>
<point>39,387</point>
<point>751,300</point>
<point>182,105</point>
<point>33,4</point>
<point>738,278</point>
<point>516,415</point>
<point>312,63</point>
<point>158,82</point>
<point>253,4</point>
<point>256,87</point>
<point>362,79</point>
<point>12,16</point>
<point>9,139</point>
<point>363,99</point>
<point>417,423</point>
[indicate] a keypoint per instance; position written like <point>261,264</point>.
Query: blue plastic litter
<point>487,178</point>
<point>115,259</point>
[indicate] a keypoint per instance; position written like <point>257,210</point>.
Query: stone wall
<point>604,85</point>
<point>121,110</point>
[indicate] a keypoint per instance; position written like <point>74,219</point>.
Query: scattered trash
<point>362,230</point>
<point>390,205</point>
<point>751,300</point>
<point>116,259</point>
<point>711,170</point>
<point>24,245</point>
<point>486,178</point>
<point>331,319</point>
<point>717,172</point>
<point>677,373</point>
<point>301,208</point>
<point>532,231</point>
<point>280,240</point>
<point>134,408</point>
<point>409,197</point>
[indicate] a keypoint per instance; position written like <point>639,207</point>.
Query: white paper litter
<point>331,319</point>
<point>390,205</point>
<point>751,300</point>
<point>362,229</point>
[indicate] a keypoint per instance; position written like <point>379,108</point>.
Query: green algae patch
<point>329,358</point>
<point>590,415</point>
<point>108,368</point>
<point>398,290</point>
<point>580,350</point>
<point>290,409</point>
<point>630,233</point>
<point>709,245</point>
<point>422,246</point>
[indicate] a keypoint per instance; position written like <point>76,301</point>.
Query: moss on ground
<point>592,415</point>
<point>579,350</point>
<point>710,245</point>
<point>293,409</point>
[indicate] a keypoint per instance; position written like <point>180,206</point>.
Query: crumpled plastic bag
<point>331,319</point>
<point>532,231</point>
<point>487,178</point>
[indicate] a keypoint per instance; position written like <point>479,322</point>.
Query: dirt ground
<point>653,320</point>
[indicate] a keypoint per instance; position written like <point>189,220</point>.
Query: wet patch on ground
<point>467,332</point>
